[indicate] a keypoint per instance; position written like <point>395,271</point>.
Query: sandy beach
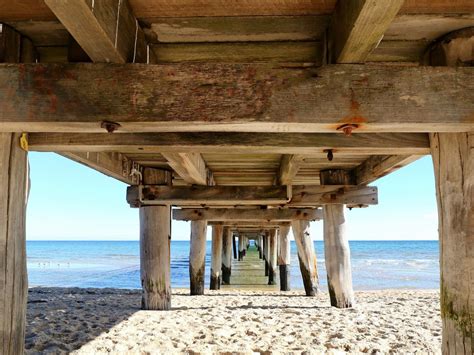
<point>98,321</point>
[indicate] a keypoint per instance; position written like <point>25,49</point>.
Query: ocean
<point>375,264</point>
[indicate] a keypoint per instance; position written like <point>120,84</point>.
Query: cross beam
<point>274,215</point>
<point>291,196</point>
<point>234,97</point>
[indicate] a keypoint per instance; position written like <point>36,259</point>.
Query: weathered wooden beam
<point>358,26</point>
<point>235,97</point>
<point>246,215</point>
<point>111,164</point>
<point>247,224</point>
<point>231,142</point>
<point>197,257</point>
<point>306,257</point>
<point>289,166</point>
<point>191,167</point>
<point>284,257</point>
<point>216,257</point>
<point>107,30</point>
<point>295,196</point>
<point>378,166</point>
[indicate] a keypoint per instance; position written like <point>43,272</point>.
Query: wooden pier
<point>249,117</point>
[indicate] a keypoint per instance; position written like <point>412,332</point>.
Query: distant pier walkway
<point>249,273</point>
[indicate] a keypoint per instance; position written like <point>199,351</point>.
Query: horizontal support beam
<point>244,224</point>
<point>189,166</point>
<point>206,142</point>
<point>247,215</point>
<point>234,97</point>
<point>378,166</point>
<point>114,165</point>
<point>291,196</point>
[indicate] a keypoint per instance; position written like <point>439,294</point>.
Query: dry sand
<point>93,321</point>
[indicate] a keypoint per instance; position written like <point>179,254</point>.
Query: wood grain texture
<point>378,166</point>
<point>240,52</point>
<point>114,165</point>
<point>106,29</point>
<point>246,215</point>
<point>289,166</point>
<point>453,160</point>
<point>306,256</point>
<point>284,256</point>
<point>197,257</point>
<point>14,189</point>
<point>216,257</point>
<point>38,10</point>
<point>272,263</point>
<point>236,97</point>
<point>236,29</point>
<point>232,143</point>
<point>226,255</point>
<point>251,195</point>
<point>357,27</point>
<point>189,166</point>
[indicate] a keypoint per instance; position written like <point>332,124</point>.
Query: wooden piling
<point>155,235</point>
<point>265,251</point>
<point>306,256</point>
<point>216,257</point>
<point>453,160</point>
<point>336,246</point>
<point>226,256</point>
<point>197,257</point>
<point>272,261</point>
<point>234,246</point>
<point>260,246</point>
<point>284,258</point>
<point>13,282</point>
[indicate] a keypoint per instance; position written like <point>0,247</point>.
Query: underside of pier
<point>251,117</point>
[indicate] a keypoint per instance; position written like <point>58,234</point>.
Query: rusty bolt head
<point>110,127</point>
<point>347,128</point>
<point>330,154</point>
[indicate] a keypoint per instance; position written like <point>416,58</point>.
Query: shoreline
<point>99,321</point>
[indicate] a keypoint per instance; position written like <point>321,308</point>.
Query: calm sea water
<point>375,264</point>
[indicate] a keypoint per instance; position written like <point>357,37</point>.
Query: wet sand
<point>99,321</point>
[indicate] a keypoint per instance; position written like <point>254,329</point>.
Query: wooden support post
<point>13,280</point>
<point>336,246</point>
<point>272,263</point>
<point>260,246</point>
<point>284,258</point>
<point>216,261</point>
<point>197,257</point>
<point>453,159</point>
<point>266,251</point>
<point>234,246</point>
<point>306,256</point>
<point>155,235</point>
<point>226,256</point>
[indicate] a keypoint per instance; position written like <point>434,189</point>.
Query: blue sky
<point>71,202</point>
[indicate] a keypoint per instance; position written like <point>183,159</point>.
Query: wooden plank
<point>247,215</point>
<point>37,10</point>
<point>313,195</point>
<point>106,29</point>
<point>289,166</point>
<point>378,166</point>
<point>251,195</point>
<point>280,143</point>
<point>358,26</point>
<point>244,224</point>
<point>238,97</point>
<point>111,164</point>
<point>236,52</point>
<point>236,29</point>
<point>189,166</point>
